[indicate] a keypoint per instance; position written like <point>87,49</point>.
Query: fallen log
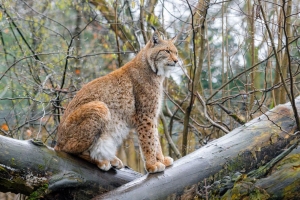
<point>243,149</point>
<point>31,168</point>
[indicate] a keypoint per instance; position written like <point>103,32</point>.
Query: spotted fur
<point>101,114</point>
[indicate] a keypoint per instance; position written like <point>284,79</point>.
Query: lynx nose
<point>175,60</point>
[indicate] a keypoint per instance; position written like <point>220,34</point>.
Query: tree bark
<point>282,182</point>
<point>122,32</point>
<point>243,149</point>
<point>33,169</point>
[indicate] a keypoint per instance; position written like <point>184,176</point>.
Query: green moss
<point>40,192</point>
<point>16,185</point>
<point>294,158</point>
<point>236,164</point>
<point>19,180</point>
<point>41,167</point>
<point>245,189</point>
<point>291,191</point>
<point>12,161</point>
<point>2,168</point>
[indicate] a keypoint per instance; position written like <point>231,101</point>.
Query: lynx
<point>102,113</point>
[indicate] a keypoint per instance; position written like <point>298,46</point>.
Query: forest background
<point>238,60</point>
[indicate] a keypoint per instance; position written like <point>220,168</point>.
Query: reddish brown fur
<point>129,97</point>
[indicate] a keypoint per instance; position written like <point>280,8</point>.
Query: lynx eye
<point>167,51</point>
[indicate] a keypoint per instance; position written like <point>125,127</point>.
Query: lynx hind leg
<point>117,163</point>
<point>104,153</point>
<point>105,165</point>
<point>82,127</point>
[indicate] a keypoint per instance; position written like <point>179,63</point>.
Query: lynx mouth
<point>171,65</point>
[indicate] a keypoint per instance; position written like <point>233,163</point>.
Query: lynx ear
<point>155,37</point>
<point>174,39</point>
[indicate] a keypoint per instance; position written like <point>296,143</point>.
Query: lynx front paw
<point>117,163</point>
<point>157,167</point>
<point>104,165</point>
<point>168,161</point>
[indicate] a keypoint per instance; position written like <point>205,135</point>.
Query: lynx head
<point>161,54</point>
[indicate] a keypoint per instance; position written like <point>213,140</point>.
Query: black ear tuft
<point>154,29</point>
<point>156,36</point>
<point>174,39</point>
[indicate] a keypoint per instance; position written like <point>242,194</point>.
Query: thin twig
<point>246,70</point>
<point>168,137</point>
<point>25,41</point>
<point>207,117</point>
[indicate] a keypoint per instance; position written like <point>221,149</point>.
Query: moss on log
<point>282,182</point>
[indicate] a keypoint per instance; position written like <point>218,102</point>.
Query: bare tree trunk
<point>198,42</point>
<point>277,92</point>
<point>288,35</point>
<point>254,75</point>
